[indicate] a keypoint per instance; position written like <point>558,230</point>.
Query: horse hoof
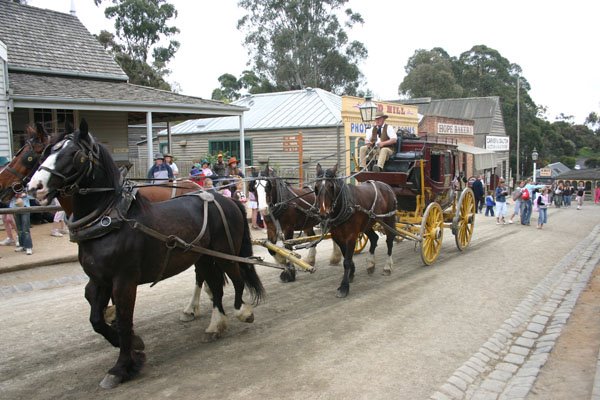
<point>211,336</point>
<point>386,272</point>
<point>370,270</point>
<point>341,293</point>
<point>110,381</point>
<point>137,343</point>
<point>185,317</point>
<point>249,319</point>
<point>288,276</point>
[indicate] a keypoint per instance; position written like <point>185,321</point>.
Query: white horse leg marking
<point>218,322</point>
<point>40,179</point>
<point>312,255</point>
<point>336,255</point>
<point>245,313</point>
<point>192,310</point>
<point>387,268</point>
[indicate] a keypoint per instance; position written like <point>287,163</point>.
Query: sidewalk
<point>47,250</point>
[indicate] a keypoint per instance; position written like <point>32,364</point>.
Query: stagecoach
<point>431,196</point>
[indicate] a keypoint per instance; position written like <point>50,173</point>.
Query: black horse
<point>125,240</point>
<point>348,210</point>
<point>286,210</point>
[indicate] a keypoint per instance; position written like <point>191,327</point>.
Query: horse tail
<point>247,271</point>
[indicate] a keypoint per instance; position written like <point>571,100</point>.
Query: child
<point>489,204</point>
<point>239,192</point>
<point>542,205</point>
<point>59,227</point>
<point>225,191</point>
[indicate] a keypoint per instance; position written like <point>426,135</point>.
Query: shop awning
<point>484,159</point>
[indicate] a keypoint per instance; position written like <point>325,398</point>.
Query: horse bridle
<point>31,160</point>
<point>84,160</point>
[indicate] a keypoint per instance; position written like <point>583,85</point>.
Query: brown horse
<point>124,240</point>
<point>348,210</point>
<point>14,178</point>
<point>286,210</point>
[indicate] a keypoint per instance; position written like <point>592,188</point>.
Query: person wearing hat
<point>169,161</point>
<point>382,142</point>
<point>220,169</point>
<point>233,169</point>
<point>160,170</point>
<point>205,168</point>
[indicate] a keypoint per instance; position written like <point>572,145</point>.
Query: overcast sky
<point>553,42</point>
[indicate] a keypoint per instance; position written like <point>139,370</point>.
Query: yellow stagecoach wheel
<point>432,233</point>
<point>361,243</point>
<point>463,222</point>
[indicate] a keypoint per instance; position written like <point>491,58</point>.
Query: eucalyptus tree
<point>295,44</point>
<point>430,73</point>
<point>139,27</point>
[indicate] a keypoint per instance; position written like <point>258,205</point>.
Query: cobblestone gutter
<point>507,365</point>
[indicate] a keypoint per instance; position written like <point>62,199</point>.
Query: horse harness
<point>31,160</point>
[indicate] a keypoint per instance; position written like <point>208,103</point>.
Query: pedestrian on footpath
<point>23,222</point>
<point>58,225</point>
<point>516,196</point>
<point>501,193</point>
<point>489,204</point>
<point>527,194</point>
<point>580,194</point>
<point>479,192</point>
<point>542,201</point>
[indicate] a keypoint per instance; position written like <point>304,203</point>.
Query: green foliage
<point>430,74</point>
<point>568,161</point>
<point>483,71</point>
<point>301,43</point>
<point>593,162</point>
<point>231,87</point>
<point>140,25</point>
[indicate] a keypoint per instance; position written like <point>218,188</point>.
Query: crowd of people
<point>528,198</point>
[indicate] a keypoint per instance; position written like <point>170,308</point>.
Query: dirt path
<point>397,337</point>
<point>570,370</point>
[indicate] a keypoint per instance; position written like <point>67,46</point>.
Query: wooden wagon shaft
<point>30,210</point>
<point>305,239</point>
<point>284,253</point>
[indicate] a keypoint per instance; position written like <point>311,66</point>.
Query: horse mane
<point>105,159</point>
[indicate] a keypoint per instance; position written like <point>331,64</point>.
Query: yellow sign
<point>400,116</point>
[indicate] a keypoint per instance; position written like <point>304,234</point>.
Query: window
<point>53,120</point>
<point>232,148</point>
<point>44,117</point>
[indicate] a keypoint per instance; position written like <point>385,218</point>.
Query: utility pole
<point>518,130</point>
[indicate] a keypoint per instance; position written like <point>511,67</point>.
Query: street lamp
<point>534,157</point>
<point>368,109</point>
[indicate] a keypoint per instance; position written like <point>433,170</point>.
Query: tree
<point>231,87</point>
<point>140,27</point>
<point>301,43</point>
<point>429,73</point>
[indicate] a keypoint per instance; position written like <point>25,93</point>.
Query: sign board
<point>546,172</point>
<point>290,144</point>
<point>497,143</point>
<point>454,129</point>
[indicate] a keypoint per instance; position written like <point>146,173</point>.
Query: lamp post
<point>368,109</point>
<point>534,157</point>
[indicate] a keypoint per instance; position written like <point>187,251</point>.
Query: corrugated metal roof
<point>308,108</point>
<point>482,110</point>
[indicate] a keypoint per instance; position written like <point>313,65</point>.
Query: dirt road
<point>399,337</point>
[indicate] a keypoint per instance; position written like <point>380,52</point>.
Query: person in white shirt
<point>169,160</point>
<point>383,138</point>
